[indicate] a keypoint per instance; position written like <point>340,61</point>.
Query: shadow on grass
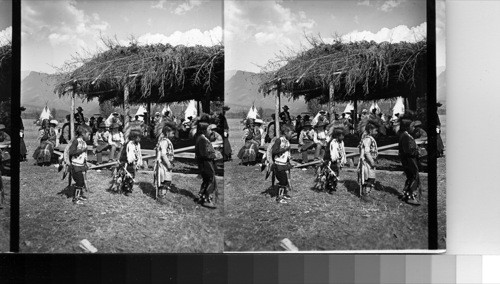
<point>149,190</point>
<point>352,187</point>
<point>271,190</point>
<point>388,189</point>
<point>68,191</point>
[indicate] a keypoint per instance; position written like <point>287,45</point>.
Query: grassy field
<point>318,221</point>
<point>5,217</point>
<point>49,222</point>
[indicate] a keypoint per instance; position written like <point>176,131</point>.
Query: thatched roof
<point>358,70</point>
<point>5,72</point>
<point>153,73</point>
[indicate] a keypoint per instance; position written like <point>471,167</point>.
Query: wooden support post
<point>126,109</point>
<point>277,110</point>
<point>331,100</point>
<point>355,118</point>
<point>147,118</point>
<point>72,115</point>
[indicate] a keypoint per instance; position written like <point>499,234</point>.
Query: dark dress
<point>408,153</point>
<point>227,151</point>
<point>22,150</point>
<point>205,156</point>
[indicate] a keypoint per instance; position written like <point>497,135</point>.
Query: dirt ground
<point>50,222</point>
<point>318,221</point>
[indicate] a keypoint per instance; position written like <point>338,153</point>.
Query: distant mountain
<point>242,91</point>
<point>37,90</point>
<point>228,74</point>
<point>441,87</point>
<point>24,74</point>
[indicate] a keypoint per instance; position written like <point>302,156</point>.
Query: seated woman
<point>47,135</point>
<point>115,140</point>
<point>252,137</point>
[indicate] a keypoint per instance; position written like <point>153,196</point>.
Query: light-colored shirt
<point>116,138</point>
<point>337,151</point>
<point>134,153</point>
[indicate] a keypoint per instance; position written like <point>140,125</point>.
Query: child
<point>130,159</point>
<point>306,140</point>
<point>205,155</point>
<point>101,141</point>
<point>368,154</point>
<point>164,160</point>
<point>335,159</point>
<point>115,140</point>
<point>78,159</point>
<point>281,158</point>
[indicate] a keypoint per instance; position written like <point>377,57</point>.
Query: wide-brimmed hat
<point>338,130</point>
<point>22,108</point>
<point>258,121</point>
<point>53,121</point>
<point>417,123</point>
<point>114,126</point>
<point>364,111</point>
<point>2,127</point>
<point>212,126</point>
<point>226,108</point>
<point>102,125</point>
<point>79,108</point>
<point>322,111</point>
<point>438,104</point>
<point>286,107</point>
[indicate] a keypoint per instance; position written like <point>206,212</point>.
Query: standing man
<point>79,118</point>
<point>285,116</point>
<point>22,150</point>
<point>227,152</point>
<point>408,153</point>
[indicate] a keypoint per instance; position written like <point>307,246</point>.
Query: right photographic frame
<point>336,126</point>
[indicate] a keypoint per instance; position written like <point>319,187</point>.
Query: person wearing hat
<point>418,131</point>
<point>335,159</point>
<point>205,156</point>
<point>100,141</point>
<point>47,137</point>
<point>77,152</point>
<point>4,137</point>
<point>252,137</point>
<point>368,152</point>
<point>285,116</point>
<point>408,153</point>
<point>319,138</point>
<point>306,140</point>
<point>440,144</point>
<point>115,140</point>
<point>298,123</point>
<point>79,118</point>
<point>214,135</point>
<point>224,128</point>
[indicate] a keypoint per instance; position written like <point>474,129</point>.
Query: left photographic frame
<point>121,127</point>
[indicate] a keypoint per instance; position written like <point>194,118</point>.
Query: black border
<point>16,119</point>
<point>431,130</point>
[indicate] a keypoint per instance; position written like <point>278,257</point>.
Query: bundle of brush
<point>122,179</point>
<point>325,176</point>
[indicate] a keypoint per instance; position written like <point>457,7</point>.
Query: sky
<point>5,21</point>
<point>54,31</point>
<point>257,31</point>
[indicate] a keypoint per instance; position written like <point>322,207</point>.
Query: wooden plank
<point>72,116</point>
<point>277,111</point>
